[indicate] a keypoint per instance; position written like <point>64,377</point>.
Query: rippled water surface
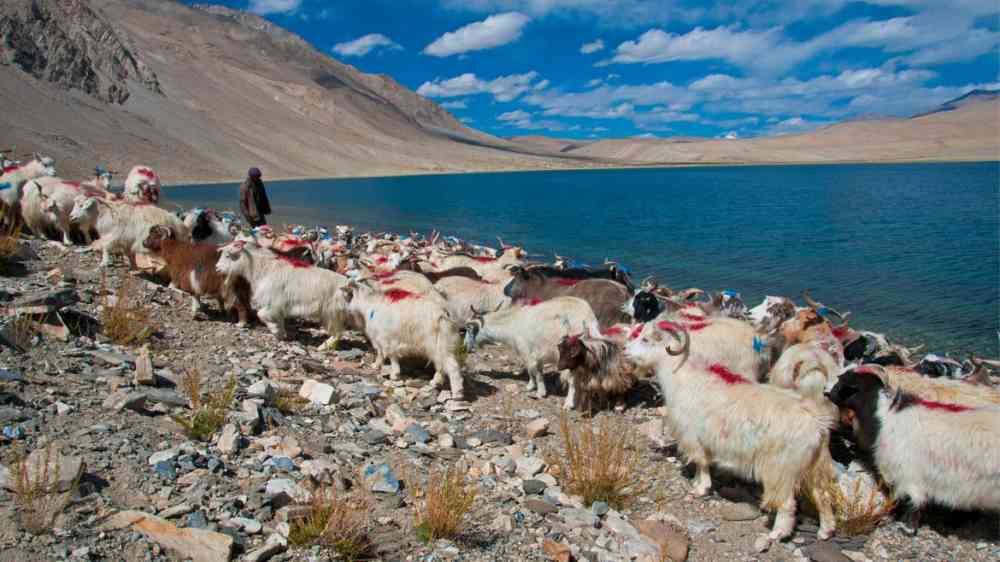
<point>911,249</point>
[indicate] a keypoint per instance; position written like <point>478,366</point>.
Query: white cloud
<point>457,104</point>
<point>730,135</point>
<point>595,82</point>
<point>516,115</point>
<point>364,45</point>
<point>494,31</point>
<point>265,7</point>
<point>592,47</point>
<point>541,85</point>
<point>503,88</point>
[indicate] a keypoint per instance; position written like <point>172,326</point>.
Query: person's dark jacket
<point>253,200</point>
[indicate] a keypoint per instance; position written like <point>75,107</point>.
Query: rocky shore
<point>138,488</point>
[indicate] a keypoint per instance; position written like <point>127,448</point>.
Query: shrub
<point>445,500</point>
<point>36,492</point>
<point>126,319</point>
<point>600,460</point>
<point>209,412</point>
<point>289,403</point>
<point>338,521</point>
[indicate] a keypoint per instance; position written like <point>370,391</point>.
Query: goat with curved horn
<point>822,309</point>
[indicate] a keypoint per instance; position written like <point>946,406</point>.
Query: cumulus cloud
<point>503,88</point>
<point>364,45</point>
<point>265,7</point>
<point>516,115</point>
<point>457,104</point>
<point>494,31</point>
<point>521,119</point>
<point>592,47</point>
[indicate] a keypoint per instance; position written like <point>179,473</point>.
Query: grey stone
<point>599,508</point>
<point>529,466</point>
<point>230,441</point>
<point>196,520</point>
<point>533,487</point>
<point>166,455</point>
<point>579,518</point>
<point>416,433</point>
<point>316,392</point>
<point>165,469</point>
<point>123,399</point>
<point>275,544</point>
<point>493,436</point>
<point>540,507</point>
<point>824,551</point>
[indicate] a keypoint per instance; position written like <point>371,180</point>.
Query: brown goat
<point>598,368</point>
<point>191,268</point>
<point>604,296</point>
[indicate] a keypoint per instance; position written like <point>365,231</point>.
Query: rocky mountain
<point>202,93</point>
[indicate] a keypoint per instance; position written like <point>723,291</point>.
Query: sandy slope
<point>970,132</point>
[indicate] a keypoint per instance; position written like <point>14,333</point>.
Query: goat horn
<point>812,304</point>
<point>681,335</point>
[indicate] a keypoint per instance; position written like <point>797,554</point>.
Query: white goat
<point>285,288</point>
<point>466,294</point>
<point>927,451</point>
<point>806,368</point>
<point>84,214</point>
<point>14,177</point>
<point>534,331</point>
<point>142,185</point>
<point>401,324</point>
<point>941,390</point>
<point>123,227</point>
<point>209,227</point>
<point>48,202</point>
<point>758,431</point>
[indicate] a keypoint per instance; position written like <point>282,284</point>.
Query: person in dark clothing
<point>253,199</point>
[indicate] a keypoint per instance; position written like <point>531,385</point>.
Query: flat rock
<point>537,428</point>
<point>533,487</point>
<point>739,512</point>
<point>316,392</point>
<point>529,466</point>
<point>125,400</point>
<point>824,551</point>
<point>275,544</point>
<point>319,470</point>
<point>144,368</point>
<point>380,478</point>
<point>540,507</point>
<point>669,539</point>
<point>579,518</point>
<point>199,545</point>
<point>493,436</point>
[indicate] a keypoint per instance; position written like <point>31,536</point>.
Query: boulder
<point>199,545</point>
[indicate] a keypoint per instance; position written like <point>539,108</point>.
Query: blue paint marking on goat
<point>6,185</point>
<point>823,311</point>
<point>730,294</point>
<point>759,345</point>
<point>371,315</point>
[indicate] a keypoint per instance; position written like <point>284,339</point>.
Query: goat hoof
<point>824,534</point>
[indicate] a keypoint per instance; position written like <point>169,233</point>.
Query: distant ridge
<point>975,96</point>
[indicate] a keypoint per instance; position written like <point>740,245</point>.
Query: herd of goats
<point>758,391</point>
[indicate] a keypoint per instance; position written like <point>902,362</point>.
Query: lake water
<point>912,250</point>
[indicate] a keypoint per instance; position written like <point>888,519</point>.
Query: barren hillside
<point>959,131</point>
<point>203,93</point>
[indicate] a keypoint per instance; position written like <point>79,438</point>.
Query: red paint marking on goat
<point>388,281</point>
<point>726,375</point>
<point>697,326</point>
<point>689,316</point>
<point>146,173</point>
<point>98,194</point>
<point>533,302</point>
<point>841,332</point>
<point>381,259</point>
<point>396,295</point>
<point>669,326</point>
<point>384,274</point>
<point>636,332</point>
<point>613,331</point>
<point>72,184</point>
<point>932,405</point>
<point>10,169</point>
<point>297,263</point>
<point>568,282</point>
<point>485,260</point>
<point>294,242</point>
<point>691,305</point>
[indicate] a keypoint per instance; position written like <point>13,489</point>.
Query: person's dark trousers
<point>259,222</point>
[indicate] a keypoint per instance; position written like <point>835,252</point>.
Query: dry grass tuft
<point>9,242</point>
<point>36,492</point>
<point>288,402</point>
<point>126,319</point>
<point>444,502</point>
<point>859,513</point>
<point>19,331</point>
<point>600,460</point>
<point>209,411</point>
<point>338,521</point>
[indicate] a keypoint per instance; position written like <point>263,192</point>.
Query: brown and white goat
<point>191,268</point>
<point>598,368</point>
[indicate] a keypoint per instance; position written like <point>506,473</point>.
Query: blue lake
<point>911,250</point>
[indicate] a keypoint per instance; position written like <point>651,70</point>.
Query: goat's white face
<point>82,207</point>
<point>232,258</point>
<point>646,345</point>
<point>48,166</point>
<point>764,312</point>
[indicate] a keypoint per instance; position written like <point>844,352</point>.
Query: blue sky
<point>619,68</point>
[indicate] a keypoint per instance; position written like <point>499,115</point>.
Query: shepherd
<point>253,199</point>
